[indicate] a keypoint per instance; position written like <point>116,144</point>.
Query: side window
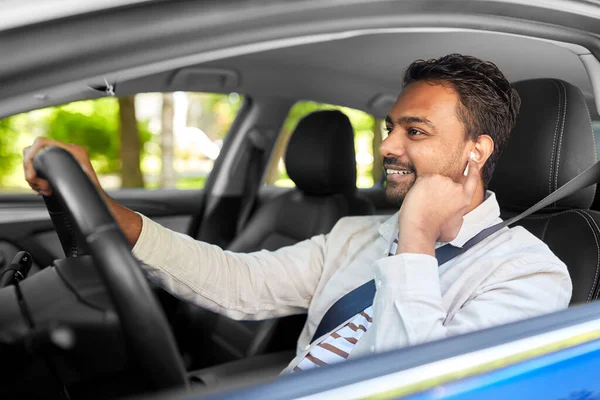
<point>151,140</point>
<point>368,134</point>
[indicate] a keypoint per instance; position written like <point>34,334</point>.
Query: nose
<point>392,146</point>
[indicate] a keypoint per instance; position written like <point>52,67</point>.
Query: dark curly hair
<point>489,104</point>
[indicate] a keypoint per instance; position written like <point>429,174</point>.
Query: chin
<point>395,195</point>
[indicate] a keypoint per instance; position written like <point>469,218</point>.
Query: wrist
<point>416,240</point>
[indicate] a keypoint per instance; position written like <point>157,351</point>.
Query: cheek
<point>436,158</point>
<point>425,158</point>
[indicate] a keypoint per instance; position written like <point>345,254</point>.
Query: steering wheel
<point>145,328</point>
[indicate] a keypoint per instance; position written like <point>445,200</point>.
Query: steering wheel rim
<point>143,323</point>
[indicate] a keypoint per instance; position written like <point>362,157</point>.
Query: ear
<point>483,149</point>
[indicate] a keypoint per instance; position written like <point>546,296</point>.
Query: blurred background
<point>163,140</point>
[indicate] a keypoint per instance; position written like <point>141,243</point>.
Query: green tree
<point>95,125</point>
<point>9,154</point>
<point>212,112</point>
<point>167,142</point>
<point>130,147</point>
<point>364,126</point>
<point>92,124</point>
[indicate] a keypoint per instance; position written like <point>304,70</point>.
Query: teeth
<point>395,171</point>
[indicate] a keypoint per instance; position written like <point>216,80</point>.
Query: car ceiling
<point>357,62</point>
<point>17,13</point>
<point>356,70</point>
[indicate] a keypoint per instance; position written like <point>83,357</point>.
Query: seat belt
<point>362,297</point>
<point>254,173</point>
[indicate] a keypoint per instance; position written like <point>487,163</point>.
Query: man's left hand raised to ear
<point>433,210</point>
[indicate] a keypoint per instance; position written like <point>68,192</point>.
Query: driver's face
<point>425,137</point>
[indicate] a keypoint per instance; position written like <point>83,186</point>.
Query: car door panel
<point>25,224</point>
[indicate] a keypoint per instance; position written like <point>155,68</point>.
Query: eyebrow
<point>410,120</point>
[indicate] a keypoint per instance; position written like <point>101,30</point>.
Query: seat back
<point>553,141</point>
<point>321,161</point>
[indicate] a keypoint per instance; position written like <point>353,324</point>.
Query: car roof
<point>17,13</point>
<point>346,53</point>
<point>363,69</point>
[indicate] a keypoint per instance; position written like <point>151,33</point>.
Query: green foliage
<point>362,123</point>
<point>93,124</point>
<point>9,152</point>
<point>213,112</point>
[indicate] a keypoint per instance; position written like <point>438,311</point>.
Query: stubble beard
<point>396,192</point>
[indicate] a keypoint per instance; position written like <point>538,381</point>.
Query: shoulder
<point>520,253</point>
<point>519,262</point>
<point>356,231</point>
<point>359,223</point>
<point>517,243</point>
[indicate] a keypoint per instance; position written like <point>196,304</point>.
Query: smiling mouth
<point>397,172</point>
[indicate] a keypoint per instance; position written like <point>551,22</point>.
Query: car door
<point>199,122</point>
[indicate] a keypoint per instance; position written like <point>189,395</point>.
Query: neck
<point>477,198</point>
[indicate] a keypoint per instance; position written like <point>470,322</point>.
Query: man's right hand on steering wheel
<point>129,222</point>
<point>41,186</point>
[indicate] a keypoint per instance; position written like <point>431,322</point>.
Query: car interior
<point>553,141</point>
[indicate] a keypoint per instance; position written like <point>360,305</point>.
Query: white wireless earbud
<point>471,157</point>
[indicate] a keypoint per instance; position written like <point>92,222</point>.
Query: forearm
<point>242,286</point>
<point>129,222</point>
<point>408,306</point>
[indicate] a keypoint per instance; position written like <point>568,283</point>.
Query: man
<point>446,132</point>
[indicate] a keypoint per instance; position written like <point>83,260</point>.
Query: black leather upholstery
<point>295,216</point>
<point>552,142</point>
<point>320,156</point>
<point>320,159</point>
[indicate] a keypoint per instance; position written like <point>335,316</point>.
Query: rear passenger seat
<point>320,159</point>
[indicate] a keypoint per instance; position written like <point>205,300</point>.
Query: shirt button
<point>373,349</point>
<point>306,347</point>
<point>378,283</point>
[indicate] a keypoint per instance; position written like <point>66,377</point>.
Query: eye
<point>388,129</point>
<point>413,132</point>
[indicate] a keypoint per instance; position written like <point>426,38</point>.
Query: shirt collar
<point>483,216</point>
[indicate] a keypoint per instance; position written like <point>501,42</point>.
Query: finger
<point>36,183</point>
<point>44,186</point>
<point>28,154</point>
<point>38,186</point>
<point>472,180</point>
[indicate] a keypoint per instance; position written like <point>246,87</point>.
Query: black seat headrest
<point>552,142</point>
<point>320,156</point>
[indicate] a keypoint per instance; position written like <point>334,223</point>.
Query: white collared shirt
<point>509,276</point>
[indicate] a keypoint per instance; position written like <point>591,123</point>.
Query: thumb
<point>472,180</point>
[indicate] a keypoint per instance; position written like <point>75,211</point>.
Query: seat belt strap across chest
<point>362,297</point>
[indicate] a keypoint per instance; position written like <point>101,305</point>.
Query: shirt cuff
<point>407,275</point>
<point>144,246</point>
